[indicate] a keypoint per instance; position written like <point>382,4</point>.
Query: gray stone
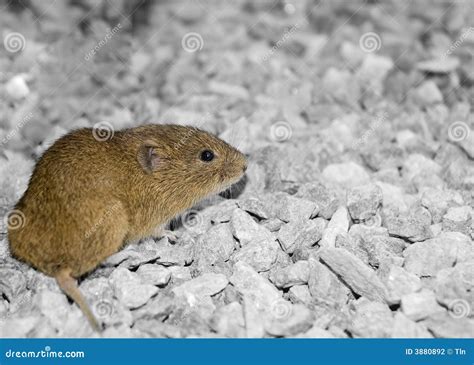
<point>338,225</point>
<point>216,245</point>
<point>228,321</point>
<point>394,197</point>
<point>207,284</point>
<point>417,306</point>
<point>370,319</point>
<point>348,174</point>
<point>374,246</point>
<point>246,230</point>
<point>363,201</point>
<point>18,327</point>
<point>292,209</point>
<point>454,287</point>
<point>129,289</point>
<point>255,207</point>
<point>261,255</point>
<point>254,326</point>
<point>300,294</point>
<point>445,325</point>
<point>295,274</point>
<point>428,257</point>
<point>53,306</point>
<point>154,274</point>
<point>181,253</point>
<point>438,202</point>
<point>400,282</point>
<point>273,224</point>
<point>180,273</point>
<point>301,234</point>
<point>135,254</point>
<point>359,277</point>
<point>414,226</point>
<point>467,143</point>
<point>417,164</point>
<point>438,65</point>
<point>158,308</point>
<point>459,219</point>
<point>428,93</point>
<point>218,213</point>
<point>100,295</point>
<point>325,286</point>
<point>324,196</point>
<point>316,332</point>
<point>404,327</point>
<point>12,283</point>
<point>288,319</point>
<point>259,290</point>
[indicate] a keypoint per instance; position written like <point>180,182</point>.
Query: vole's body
<point>87,197</point>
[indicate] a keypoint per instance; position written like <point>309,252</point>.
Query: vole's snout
<point>244,168</point>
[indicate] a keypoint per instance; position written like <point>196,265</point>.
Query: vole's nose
<point>244,168</point>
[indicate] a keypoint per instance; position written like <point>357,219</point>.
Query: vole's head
<point>191,159</point>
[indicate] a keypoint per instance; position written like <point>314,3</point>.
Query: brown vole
<point>87,196</point>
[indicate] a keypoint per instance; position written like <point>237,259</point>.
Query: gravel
<point>355,218</point>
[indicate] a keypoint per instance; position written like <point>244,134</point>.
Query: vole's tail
<point>69,285</point>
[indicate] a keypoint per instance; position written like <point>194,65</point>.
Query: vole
<point>87,197</point>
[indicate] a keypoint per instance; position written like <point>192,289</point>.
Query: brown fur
<point>87,198</point>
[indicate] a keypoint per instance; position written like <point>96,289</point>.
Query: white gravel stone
<point>207,284</point>
<point>154,274</point>
<point>295,274</point>
<point>400,282</point>
<point>300,294</point>
<point>246,230</point>
<point>288,319</point>
<point>255,287</point>
<point>129,288</point>
<point>404,327</point>
<point>338,225</point>
<point>347,174</point>
<point>371,319</point>
<point>428,257</point>
<point>17,88</point>
<point>325,196</point>
<point>358,276</point>
<point>459,219</point>
<point>417,306</point>
<point>216,245</point>
<point>363,201</point>
<point>229,321</point>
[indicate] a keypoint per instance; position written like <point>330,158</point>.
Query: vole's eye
<point>207,156</point>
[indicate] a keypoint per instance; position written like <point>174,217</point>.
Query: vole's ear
<point>148,157</point>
